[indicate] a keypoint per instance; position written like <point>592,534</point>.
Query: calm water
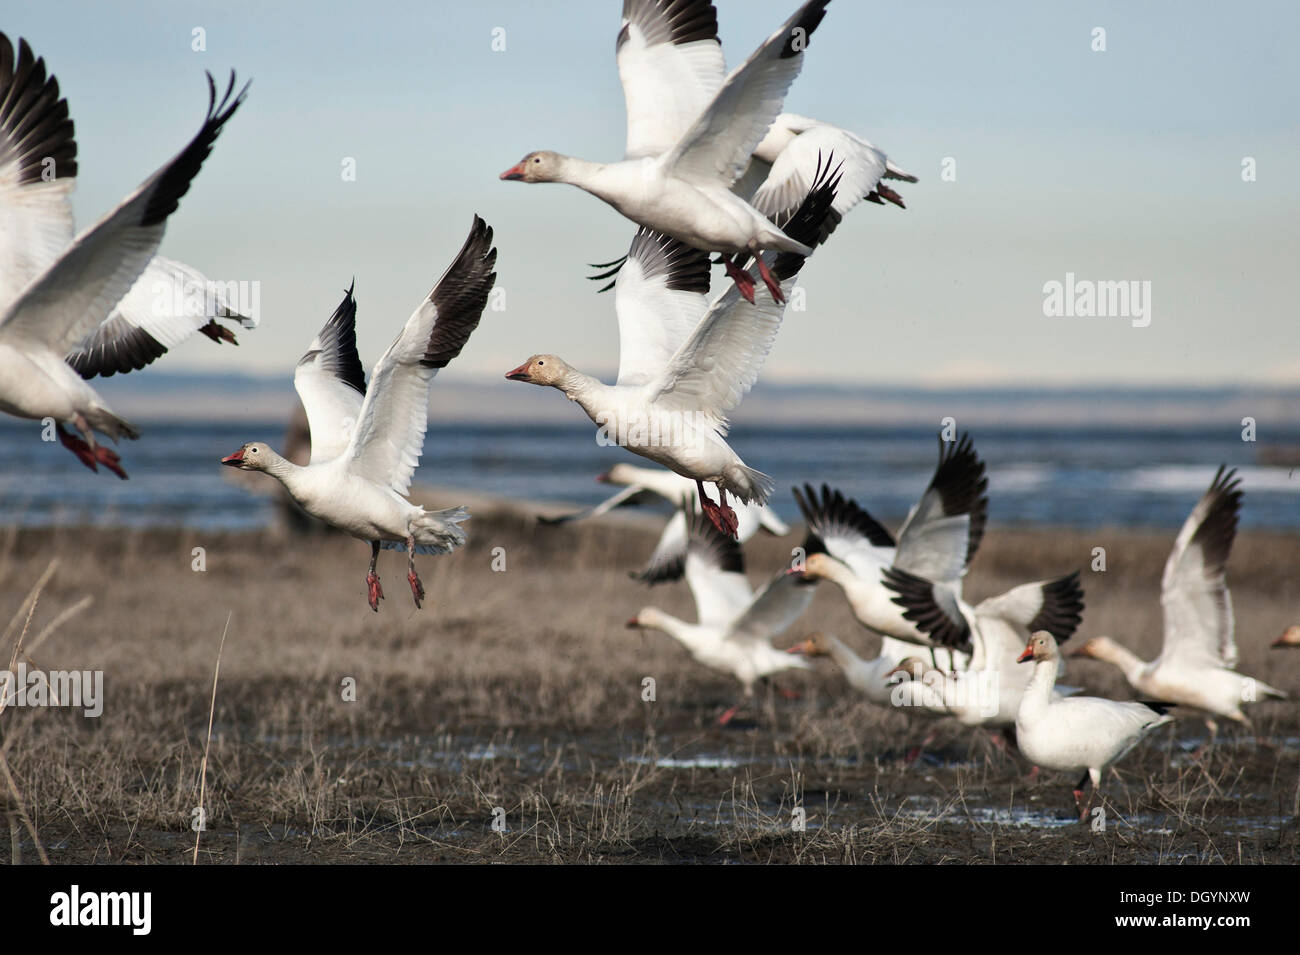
<point>1081,477</point>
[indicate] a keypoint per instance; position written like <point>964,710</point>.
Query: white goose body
<point>1075,733</point>
<point>56,291</point>
<point>1198,658</point>
<point>366,439</point>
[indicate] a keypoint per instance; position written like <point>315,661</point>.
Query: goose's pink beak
<point>1027,655</point>
<point>234,460</point>
<point>633,623</point>
<point>515,172</point>
<point>519,374</point>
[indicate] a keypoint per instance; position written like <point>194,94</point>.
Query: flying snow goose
<point>1077,732</point>
<point>1197,662</point>
<point>169,301</point>
<point>669,558</point>
<point>366,440</point>
<point>1290,638</point>
<point>848,547</point>
<point>76,290</point>
<point>681,186</point>
<point>735,627</point>
<point>676,387</point>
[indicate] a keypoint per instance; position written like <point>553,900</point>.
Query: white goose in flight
<point>168,303</point>
<point>691,136</point>
<point>735,627</point>
<point>671,66</point>
<point>366,440</point>
<point>1197,663</point>
<point>685,364</point>
<point>1075,733</point>
<point>850,548</point>
<point>72,290</point>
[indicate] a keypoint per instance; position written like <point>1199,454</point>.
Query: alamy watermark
<point>60,688</point>
<point>1086,298</point>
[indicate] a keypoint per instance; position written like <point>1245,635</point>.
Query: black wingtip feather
<point>916,596</point>
<point>35,129</point>
<point>1218,529</point>
<point>962,485</point>
<point>808,19</point>
<point>461,295</point>
<point>1062,609</point>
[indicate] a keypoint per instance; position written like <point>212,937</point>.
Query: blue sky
<point>1115,165</point>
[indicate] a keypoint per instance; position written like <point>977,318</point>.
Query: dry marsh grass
<point>516,696</point>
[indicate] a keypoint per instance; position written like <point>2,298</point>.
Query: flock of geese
<point>712,168</point>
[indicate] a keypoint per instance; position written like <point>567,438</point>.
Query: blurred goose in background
<point>167,303</point>
<point>1290,638</point>
<point>668,561</point>
<point>1078,732</point>
<point>735,626</point>
<point>850,548</point>
<point>57,295</point>
<point>366,440</point>
<point>684,364</point>
<point>1197,662</point>
<point>691,133</point>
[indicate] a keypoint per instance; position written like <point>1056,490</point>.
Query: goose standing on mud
<point>1197,662</point>
<point>735,627</point>
<point>691,134</point>
<point>684,365</point>
<point>1077,732</point>
<point>366,440</point>
<point>55,296</point>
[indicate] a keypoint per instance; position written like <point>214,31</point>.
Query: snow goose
<point>168,302</point>
<point>848,547</point>
<point>684,364</point>
<point>869,676</point>
<point>1197,662</point>
<point>77,287</point>
<point>735,626</point>
<point>1078,732</point>
<point>366,440</point>
<point>669,558</point>
<point>679,171</point>
<point>1290,638</point>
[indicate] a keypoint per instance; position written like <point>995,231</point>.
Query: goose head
<point>813,645</point>
<point>254,456</point>
<point>1098,648</point>
<point>1042,646</point>
<point>620,474</point>
<point>912,668</point>
<point>541,166</point>
<point>820,566</point>
<point>647,618</point>
<point>1290,637</point>
<point>541,370</point>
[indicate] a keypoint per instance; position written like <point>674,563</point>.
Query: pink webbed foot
<point>744,281</point>
<point>376,591</point>
<point>85,454</point>
<point>770,281</point>
<point>722,517</point>
<point>110,459</point>
<point>417,588</point>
